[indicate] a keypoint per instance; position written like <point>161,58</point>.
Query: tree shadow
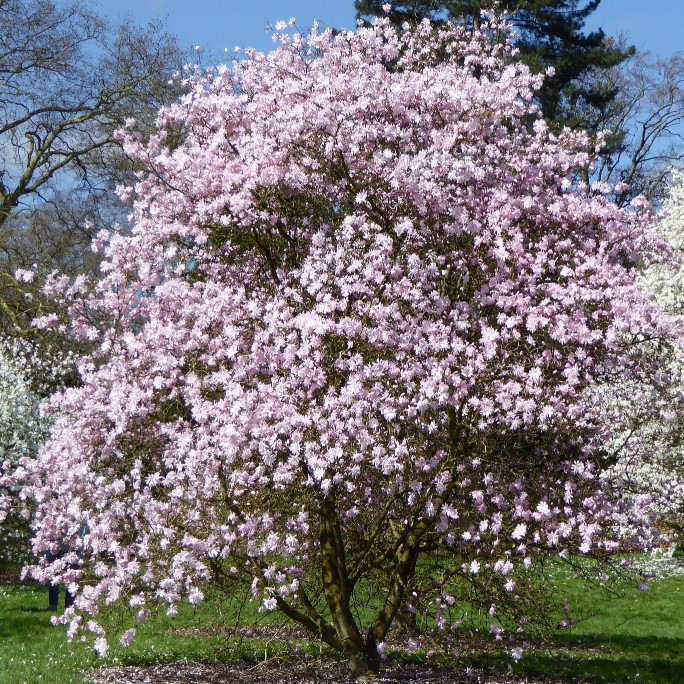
<point>585,659</point>
<point>25,623</point>
<point>605,659</point>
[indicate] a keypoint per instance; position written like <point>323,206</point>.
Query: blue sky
<point>219,24</point>
<point>654,25</point>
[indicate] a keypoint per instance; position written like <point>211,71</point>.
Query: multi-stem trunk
<point>361,652</point>
<point>338,589</point>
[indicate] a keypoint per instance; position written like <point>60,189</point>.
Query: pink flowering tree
<point>349,347</point>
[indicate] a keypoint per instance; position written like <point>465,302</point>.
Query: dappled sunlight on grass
<point>31,649</point>
<point>635,636</point>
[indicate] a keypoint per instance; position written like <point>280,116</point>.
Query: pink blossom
<point>355,305</point>
<point>127,637</point>
<point>101,647</point>
<point>24,276</point>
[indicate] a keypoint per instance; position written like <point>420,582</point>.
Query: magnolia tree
<point>650,459</point>
<point>348,346</point>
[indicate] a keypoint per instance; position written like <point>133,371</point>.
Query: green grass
<point>31,649</point>
<point>633,637</point>
<point>629,636</point>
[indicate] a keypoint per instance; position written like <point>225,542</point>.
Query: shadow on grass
<point>25,624</point>
<point>604,669</point>
<point>599,660</point>
<point>629,646</point>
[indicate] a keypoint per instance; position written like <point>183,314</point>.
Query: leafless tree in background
<point>647,122</point>
<point>68,80</point>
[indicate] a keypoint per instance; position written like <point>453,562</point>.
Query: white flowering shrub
<point>19,415</point>
<point>26,378</point>
<point>651,467</point>
<point>667,281</point>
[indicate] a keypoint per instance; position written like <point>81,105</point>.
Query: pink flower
<point>354,313</point>
<point>127,637</point>
<point>101,647</point>
<point>24,276</point>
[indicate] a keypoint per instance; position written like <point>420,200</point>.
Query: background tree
<point>645,119</point>
<point>351,342</point>
<point>651,461</point>
<point>68,80</point>
<point>25,380</point>
<point>550,34</point>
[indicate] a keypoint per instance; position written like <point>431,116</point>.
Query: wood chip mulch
<point>287,672</point>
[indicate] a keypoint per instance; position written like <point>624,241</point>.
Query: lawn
<point>634,636</point>
<point>31,650</point>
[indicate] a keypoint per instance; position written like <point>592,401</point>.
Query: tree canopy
<point>550,34</point>
<point>351,344</point>
<point>645,119</point>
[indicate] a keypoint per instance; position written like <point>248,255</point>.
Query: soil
<point>304,670</point>
<point>287,672</point>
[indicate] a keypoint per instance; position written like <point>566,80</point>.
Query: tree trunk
<point>338,588</point>
<point>365,663</point>
<point>362,654</point>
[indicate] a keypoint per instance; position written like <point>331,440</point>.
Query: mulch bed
<point>287,672</point>
<point>279,670</point>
